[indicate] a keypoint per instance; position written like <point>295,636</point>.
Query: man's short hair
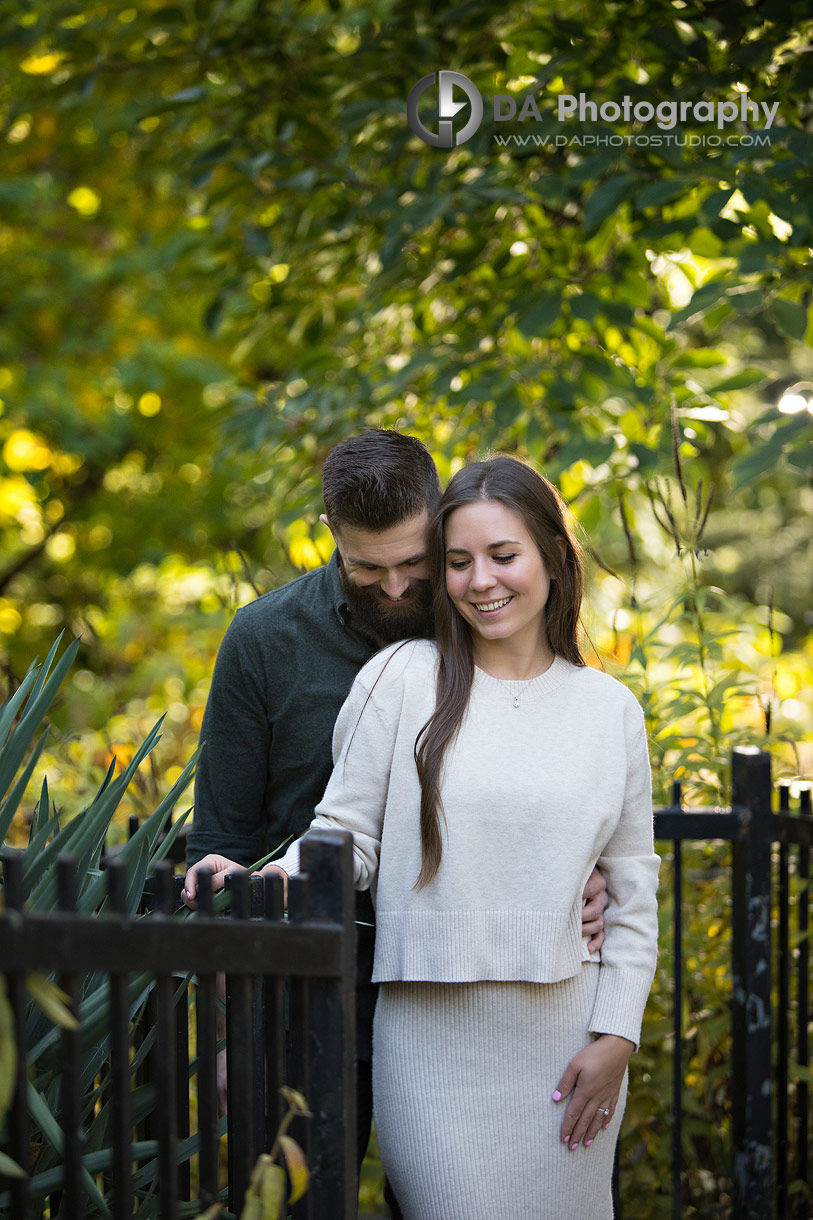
<point>379,479</point>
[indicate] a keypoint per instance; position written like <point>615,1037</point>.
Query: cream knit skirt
<point>462,1080</point>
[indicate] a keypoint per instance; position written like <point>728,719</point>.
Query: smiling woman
<point>482,776</point>
<point>499,584</point>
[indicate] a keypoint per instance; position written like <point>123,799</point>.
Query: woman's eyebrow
<point>492,546</point>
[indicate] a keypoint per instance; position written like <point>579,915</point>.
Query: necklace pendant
<point>516,700</point>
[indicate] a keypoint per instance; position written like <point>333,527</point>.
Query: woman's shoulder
<point>600,687</point>
<point>406,663</point>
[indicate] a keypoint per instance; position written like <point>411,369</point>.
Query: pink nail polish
<point>565,1139</point>
<point>573,1147</point>
<point>587,1143</point>
<point>557,1096</point>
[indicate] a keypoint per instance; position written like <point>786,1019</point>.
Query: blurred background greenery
<point>222,249</point>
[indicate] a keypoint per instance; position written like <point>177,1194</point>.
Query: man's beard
<point>386,621</point>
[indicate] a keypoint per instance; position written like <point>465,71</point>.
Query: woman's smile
<point>497,579</point>
<point>492,607</point>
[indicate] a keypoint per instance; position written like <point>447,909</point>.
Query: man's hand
<point>593,1078</point>
<point>219,866</point>
<point>595,901</point>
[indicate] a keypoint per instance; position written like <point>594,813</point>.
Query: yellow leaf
<point>295,1100</point>
<point>25,450</point>
<point>266,1191</point>
<point>51,999</point>
<point>10,619</point>
<point>149,404</point>
<point>60,547</point>
<point>15,494</point>
<point>297,1167</point>
<point>304,554</point>
<point>252,1208</point>
<point>273,1195</point>
<point>85,200</point>
<point>41,65</point>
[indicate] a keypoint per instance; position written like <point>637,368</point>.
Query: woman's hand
<point>218,866</point>
<point>280,872</point>
<point>594,1078</point>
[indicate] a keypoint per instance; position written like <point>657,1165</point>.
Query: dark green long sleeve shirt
<point>285,666</point>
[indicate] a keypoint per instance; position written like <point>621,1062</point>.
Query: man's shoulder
<point>309,595</point>
<point>295,619</point>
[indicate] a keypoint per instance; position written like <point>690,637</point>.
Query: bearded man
<point>286,664</point>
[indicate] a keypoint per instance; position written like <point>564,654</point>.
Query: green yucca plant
<point>23,734</point>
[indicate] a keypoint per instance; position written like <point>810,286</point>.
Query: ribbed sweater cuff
<point>289,863</point>
<point>620,1001</point>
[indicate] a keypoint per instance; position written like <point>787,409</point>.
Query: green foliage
<point>83,836</point>
<point>268,1196</point>
<point>705,1050</point>
<point>242,254</point>
<point>8,1069</point>
<point>267,259</point>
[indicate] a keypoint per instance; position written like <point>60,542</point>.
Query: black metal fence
<point>771,985</point>
<point>157,1143</point>
<point>770,1025</point>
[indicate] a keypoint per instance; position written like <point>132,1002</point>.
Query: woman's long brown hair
<point>517,486</point>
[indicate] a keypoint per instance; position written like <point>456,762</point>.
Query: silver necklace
<point>521,691</point>
<point>515,695</point>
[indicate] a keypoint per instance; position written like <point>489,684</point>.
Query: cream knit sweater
<point>533,797</point>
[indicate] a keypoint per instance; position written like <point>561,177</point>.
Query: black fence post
<point>166,1057</point>
<point>72,1201</point>
<point>751,1001</point>
<point>240,1059</point>
<point>317,953</point>
<point>327,859</point>
<point>300,1038</point>
<point>120,1099</point>
<point>206,1011</point>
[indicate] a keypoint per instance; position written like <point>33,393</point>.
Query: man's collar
<point>337,593</point>
<point>342,606</point>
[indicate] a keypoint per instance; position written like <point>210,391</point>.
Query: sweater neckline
<point>535,688</point>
